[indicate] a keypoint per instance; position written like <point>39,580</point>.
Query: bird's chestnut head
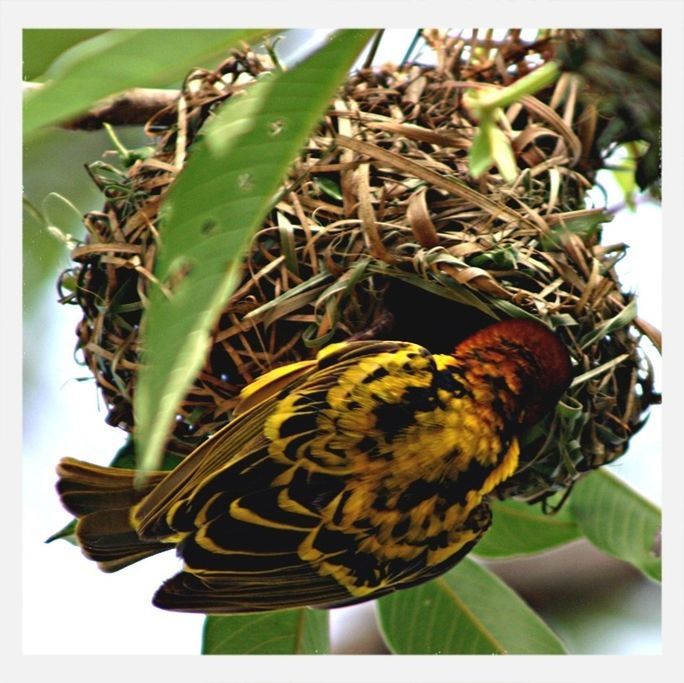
<point>528,357</point>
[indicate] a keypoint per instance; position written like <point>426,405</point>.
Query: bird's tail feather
<point>101,498</point>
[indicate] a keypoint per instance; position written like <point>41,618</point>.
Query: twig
<point>130,108</point>
<point>368,62</point>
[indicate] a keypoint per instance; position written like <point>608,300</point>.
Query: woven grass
<point>380,231</point>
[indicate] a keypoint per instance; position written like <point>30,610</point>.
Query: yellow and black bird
<point>338,480</point>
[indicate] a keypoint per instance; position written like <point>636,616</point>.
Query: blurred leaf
<point>117,60</point>
<point>328,186</point>
<point>465,611</point>
<point>41,46</point>
<point>522,529</point>
<point>502,154</point>
<point>626,179</point>
<point>210,213</point>
<point>299,631</point>
<point>125,458</point>
<point>480,157</point>
<point>627,157</point>
<point>490,147</point>
<point>483,102</point>
<point>585,226</point>
<point>619,521</point>
<point>499,258</point>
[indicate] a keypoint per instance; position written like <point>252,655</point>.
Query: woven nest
<point>380,232</point>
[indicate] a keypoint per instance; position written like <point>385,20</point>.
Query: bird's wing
<point>229,445</point>
<point>305,515</point>
<point>271,384</point>
<point>283,581</point>
<point>236,447</point>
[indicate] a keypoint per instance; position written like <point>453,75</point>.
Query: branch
<point>130,108</point>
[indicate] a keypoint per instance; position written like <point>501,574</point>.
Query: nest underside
<point>380,232</point>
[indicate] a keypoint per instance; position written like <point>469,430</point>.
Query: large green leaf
<point>466,611</point>
<point>211,211</point>
<point>522,529</point>
<point>40,46</point>
<point>117,60</point>
<point>297,631</point>
<point>619,521</point>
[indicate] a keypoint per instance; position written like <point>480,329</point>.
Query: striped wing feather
<point>270,510</point>
<point>243,434</point>
<point>287,583</point>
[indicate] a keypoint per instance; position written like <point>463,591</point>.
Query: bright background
<point>70,607</point>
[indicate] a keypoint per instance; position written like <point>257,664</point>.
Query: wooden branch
<point>130,108</point>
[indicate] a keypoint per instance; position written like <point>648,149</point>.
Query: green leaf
<point>522,529</point>
<point>68,533</point>
<point>212,209</point>
<point>480,156</point>
<point>289,632</point>
<point>585,226</point>
<point>498,258</point>
<point>625,172</point>
<point>466,611</point>
<point>41,46</point>
<point>502,154</point>
<point>117,60</point>
<point>485,101</point>
<point>619,521</point>
<point>125,458</point>
<point>626,179</point>
<point>328,186</point>
<point>491,146</point>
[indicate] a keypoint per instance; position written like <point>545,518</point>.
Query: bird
<point>340,479</point>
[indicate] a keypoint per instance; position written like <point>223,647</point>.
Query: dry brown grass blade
<point>450,185</point>
<point>78,253</point>
<point>419,218</point>
<point>653,333</point>
<point>367,215</point>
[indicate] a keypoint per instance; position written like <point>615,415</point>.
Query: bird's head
<point>525,355</point>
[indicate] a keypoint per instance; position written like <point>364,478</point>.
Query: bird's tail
<point>101,498</point>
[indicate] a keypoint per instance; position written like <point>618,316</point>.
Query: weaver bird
<point>338,479</point>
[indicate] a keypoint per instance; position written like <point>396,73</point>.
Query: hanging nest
<point>381,232</point>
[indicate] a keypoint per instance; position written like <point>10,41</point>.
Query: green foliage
<point>66,533</point>
<point>585,226</point>
<point>40,46</point>
<point>491,146</point>
<point>462,612</point>
<point>210,213</point>
<point>116,60</point>
<point>627,159</point>
<point>619,521</point>
<point>289,632</point>
<point>522,529</point>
